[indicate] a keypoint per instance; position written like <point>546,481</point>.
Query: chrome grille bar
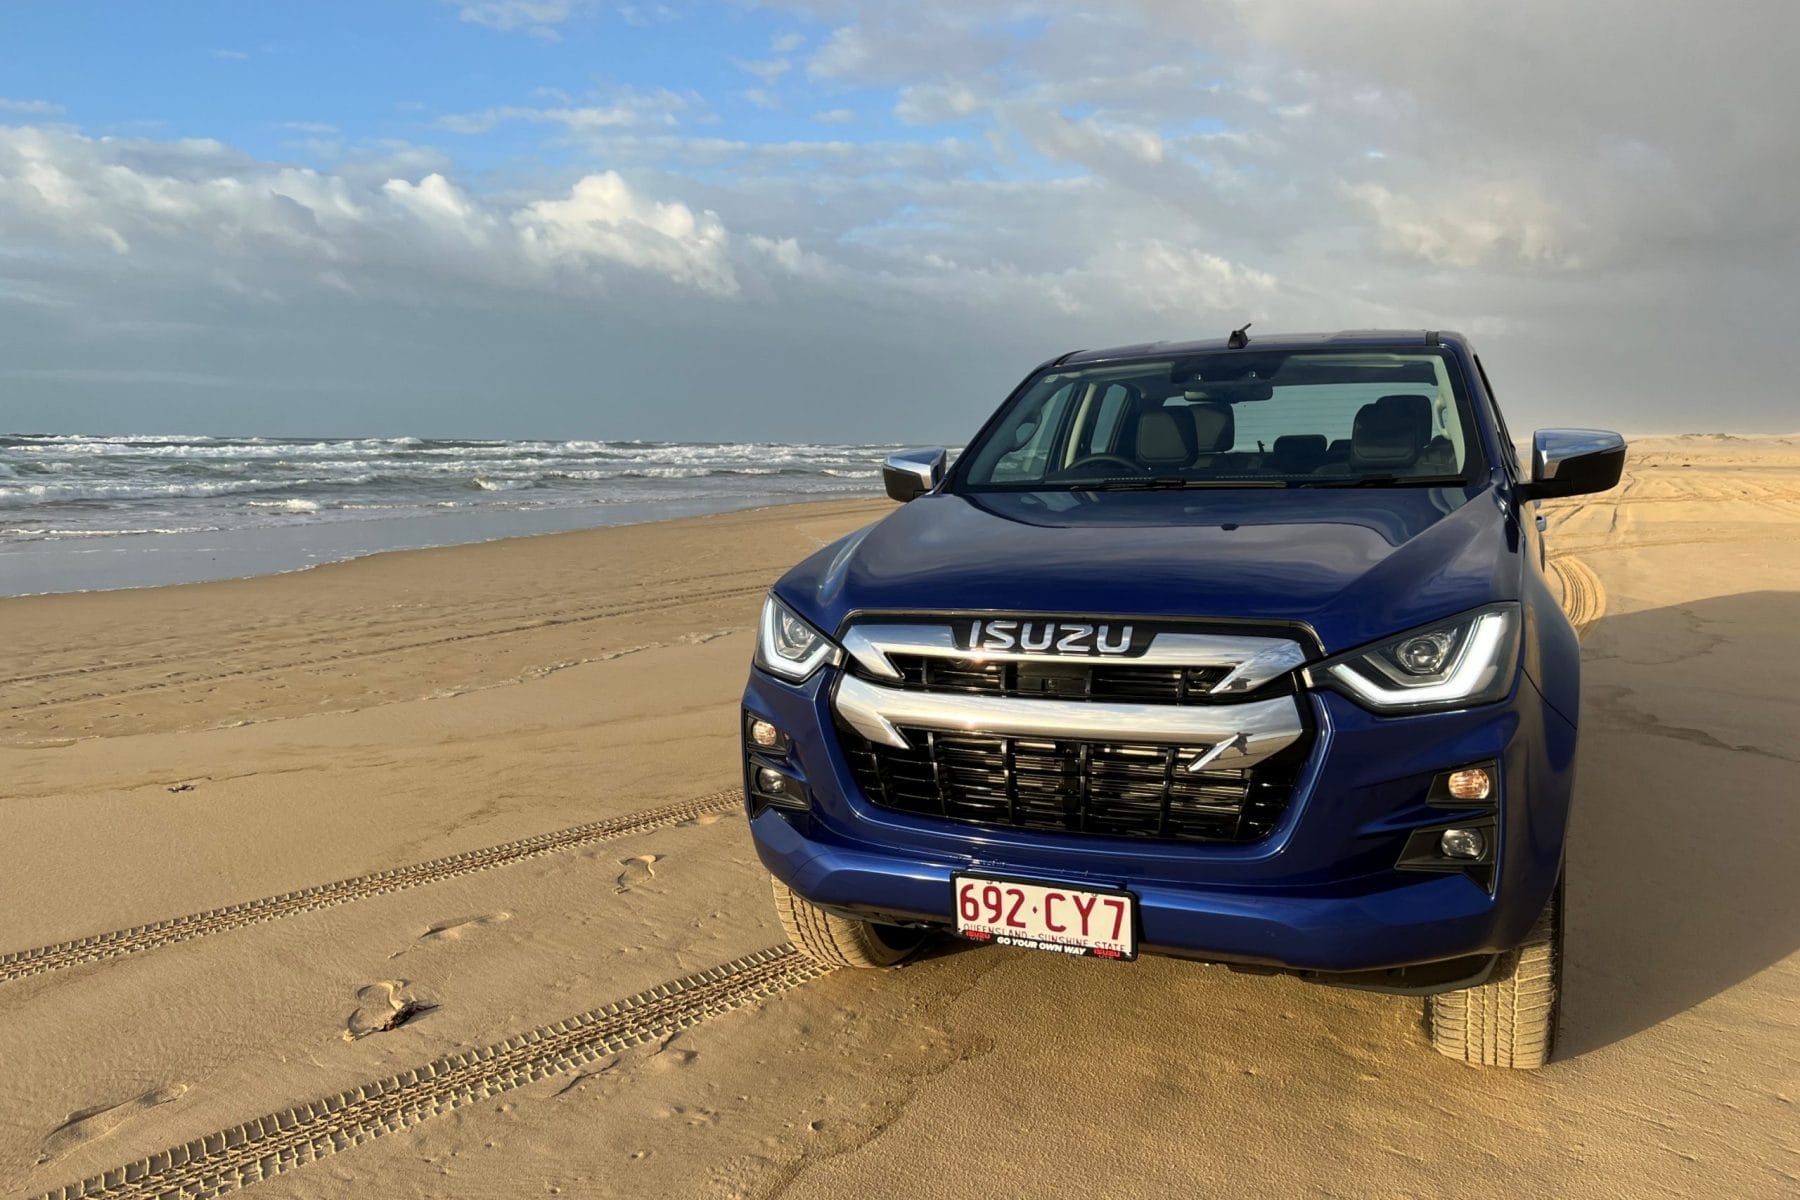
<point>1237,735</point>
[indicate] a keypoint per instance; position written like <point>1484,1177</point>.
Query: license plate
<point>1068,920</point>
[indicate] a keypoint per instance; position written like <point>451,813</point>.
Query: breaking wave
<point>86,486</point>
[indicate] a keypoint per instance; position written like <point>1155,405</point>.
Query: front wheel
<point>1509,1021</point>
<point>838,941</point>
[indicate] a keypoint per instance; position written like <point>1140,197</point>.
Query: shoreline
<point>53,557</point>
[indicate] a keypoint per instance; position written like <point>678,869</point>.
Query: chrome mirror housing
<point>911,473</point>
<point>1573,462</point>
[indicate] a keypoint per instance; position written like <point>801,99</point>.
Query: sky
<point>857,220</point>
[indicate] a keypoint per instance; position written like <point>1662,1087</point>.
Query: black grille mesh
<point>1061,679</point>
<point>1105,788</point>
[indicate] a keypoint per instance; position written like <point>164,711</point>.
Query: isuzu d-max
<point>1236,650</point>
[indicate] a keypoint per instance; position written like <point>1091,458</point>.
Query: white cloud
<point>30,108</point>
<point>603,221</point>
<point>769,70</point>
<point>936,103</point>
<point>230,55</point>
<point>1500,221</point>
<point>834,116</point>
<point>628,108</point>
<point>200,210</point>
<point>787,43</point>
<point>539,18</point>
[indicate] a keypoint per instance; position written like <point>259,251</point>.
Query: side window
<point>1506,442</point>
<point>1103,427</point>
<point>1031,436</point>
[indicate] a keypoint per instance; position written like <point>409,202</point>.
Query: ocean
<point>81,513</point>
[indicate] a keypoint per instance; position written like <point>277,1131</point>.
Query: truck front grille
<point>1085,787</point>
<point>1061,679</point>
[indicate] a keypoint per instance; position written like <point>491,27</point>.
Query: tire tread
<point>1509,1021</point>
<point>830,939</point>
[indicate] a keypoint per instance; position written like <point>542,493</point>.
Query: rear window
<point>1233,416</point>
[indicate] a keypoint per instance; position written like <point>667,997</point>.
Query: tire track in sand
<point>260,1149</point>
<point>1583,595</point>
<point>345,657</point>
<point>120,942</point>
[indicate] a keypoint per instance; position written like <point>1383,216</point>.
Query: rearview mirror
<point>1573,462</point>
<point>912,473</point>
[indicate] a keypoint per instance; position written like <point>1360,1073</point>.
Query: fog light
<point>772,781</point>
<point>765,734</point>
<point>1471,783</point>
<point>1463,843</point>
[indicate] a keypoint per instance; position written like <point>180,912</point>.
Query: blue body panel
<point>1336,569</point>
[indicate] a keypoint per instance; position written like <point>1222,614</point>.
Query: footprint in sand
<point>453,929</point>
<point>91,1123</point>
<point>640,869</point>
<point>383,1005</point>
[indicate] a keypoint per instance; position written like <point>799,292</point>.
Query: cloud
<point>200,210</point>
<point>936,103</point>
<point>834,116</point>
<point>769,70</point>
<point>30,108</point>
<point>539,18</point>
<point>603,221</point>
<point>230,55</point>
<point>628,108</point>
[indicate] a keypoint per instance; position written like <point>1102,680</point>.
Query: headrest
<point>1215,426</point>
<point>1165,437</point>
<point>1298,451</point>
<point>1416,408</point>
<point>1391,431</point>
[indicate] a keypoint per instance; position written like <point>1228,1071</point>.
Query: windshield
<point>1234,419</point>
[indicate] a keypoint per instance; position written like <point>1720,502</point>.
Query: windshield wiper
<point>1383,481</point>
<point>1172,484</point>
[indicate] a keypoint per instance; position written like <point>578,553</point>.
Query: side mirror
<point>912,473</point>
<point>1572,462</point>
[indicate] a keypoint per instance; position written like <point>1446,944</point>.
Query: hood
<point>1354,565</point>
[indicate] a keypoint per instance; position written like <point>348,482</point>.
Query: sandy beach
<point>424,875</point>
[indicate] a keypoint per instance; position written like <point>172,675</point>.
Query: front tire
<point>1509,1021</point>
<point>838,941</point>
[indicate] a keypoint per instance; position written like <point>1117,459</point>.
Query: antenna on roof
<point>1239,338</point>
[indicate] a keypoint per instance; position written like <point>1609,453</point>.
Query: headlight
<point>1455,663</point>
<point>787,646</point>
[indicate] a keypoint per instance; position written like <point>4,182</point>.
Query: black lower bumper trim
<point>1421,979</point>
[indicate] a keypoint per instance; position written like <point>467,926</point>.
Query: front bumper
<point>1320,894</point>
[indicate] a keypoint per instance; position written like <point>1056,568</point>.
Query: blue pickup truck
<point>1235,650</point>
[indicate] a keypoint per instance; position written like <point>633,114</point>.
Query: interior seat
<point>1165,439</point>
<point>1297,454</point>
<point>1215,431</point>
<point>1390,434</point>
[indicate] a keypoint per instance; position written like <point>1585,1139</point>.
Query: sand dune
<point>413,876</point>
